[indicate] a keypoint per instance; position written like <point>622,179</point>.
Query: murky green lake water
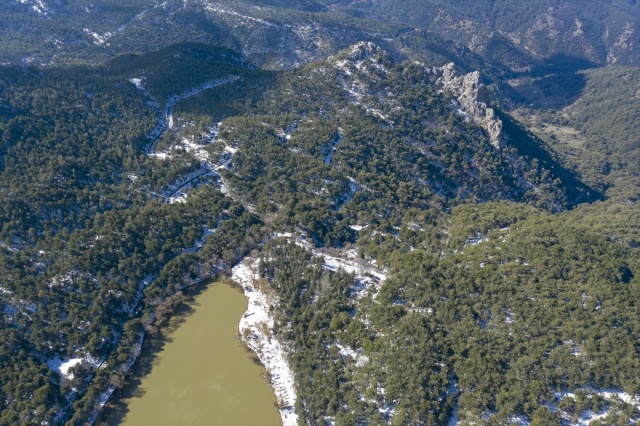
<point>200,374</point>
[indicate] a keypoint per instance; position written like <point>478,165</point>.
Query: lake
<point>198,373</point>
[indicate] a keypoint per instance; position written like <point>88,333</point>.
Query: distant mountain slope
<point>591,118</point>
<point>608,108</point>
<point>271,34</point>
<point>535,36</point>
<point>523,35</point>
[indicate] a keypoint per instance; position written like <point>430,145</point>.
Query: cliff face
<point>472,98</point>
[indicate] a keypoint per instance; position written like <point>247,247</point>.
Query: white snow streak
<point>256,328</point>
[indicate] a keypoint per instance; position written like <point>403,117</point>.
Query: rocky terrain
<point>431,206</point>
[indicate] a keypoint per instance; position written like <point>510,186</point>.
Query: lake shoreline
<point>154,352</point>
<point>255,330</point>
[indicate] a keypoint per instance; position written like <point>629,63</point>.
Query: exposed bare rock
<point>363,50</point>
<point>472,97</point>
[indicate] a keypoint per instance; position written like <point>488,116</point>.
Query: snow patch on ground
<point>97,38</point>
<point>508,317</point>
<point>353,188</point>
<point>610,395</point>
<point>360,269</point>
<point>334,147</point>
<point>344,66</point>
<point>38,6</point>
<point>62,367</point>
<point>219,9</point>
<point>256,328</point>
<point>357,356</point>
<point>138,83</point>
<point>474,241</point>
<point>518,420</point>
<point>380,115</point>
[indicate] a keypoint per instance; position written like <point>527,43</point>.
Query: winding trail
<point>166,123</point>
<point>165,117</point>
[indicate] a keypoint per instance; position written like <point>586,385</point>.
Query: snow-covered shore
<point>256,330</point>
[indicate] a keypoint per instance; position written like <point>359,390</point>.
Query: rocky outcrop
<point>363,50</point>
<point>472,98</point>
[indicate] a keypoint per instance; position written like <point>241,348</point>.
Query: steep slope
<point>367,126</point>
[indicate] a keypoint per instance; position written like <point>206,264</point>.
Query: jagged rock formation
<point>363,50</point>
<point>471,95</point>
<point>472,98</point>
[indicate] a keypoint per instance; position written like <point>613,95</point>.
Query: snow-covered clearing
<point>357,356</point>
<point>62,367</point>
<point>256,328</point>
<point>350,264</point>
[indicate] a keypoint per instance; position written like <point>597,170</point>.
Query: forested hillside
<point>594,132</point>
<point>440,200</point>
<point>497,328</point>
<point>362,151</point>
<point>89,244</point>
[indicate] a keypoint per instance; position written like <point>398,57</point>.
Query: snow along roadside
<point>256,331</point>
